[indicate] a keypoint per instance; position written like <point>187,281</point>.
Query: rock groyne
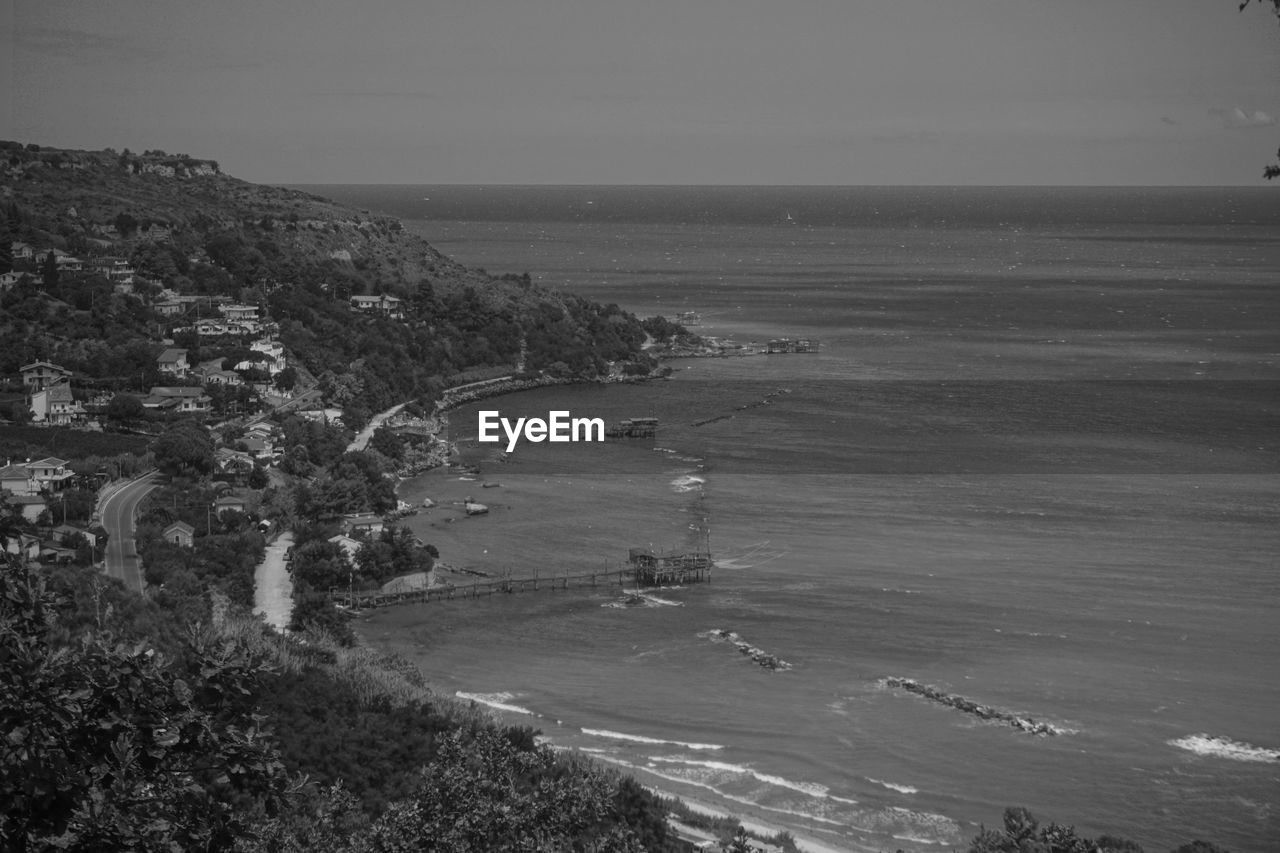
<point>968,706</point>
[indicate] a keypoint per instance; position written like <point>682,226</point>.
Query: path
<point>272,586</point>
<point>119,510</point>
<point>362,437</point>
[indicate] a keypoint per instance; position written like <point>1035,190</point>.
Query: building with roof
<point>41,374</point>
<point>177,399</point>
<point>180,533</point>
<point>388,306</point>
<point>174,362</point>
<point>55,406</point>
<point>229,503</point>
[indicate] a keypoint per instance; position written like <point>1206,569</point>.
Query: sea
<point>1034,464</point>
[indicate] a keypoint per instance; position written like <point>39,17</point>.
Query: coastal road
<point>118,512</point>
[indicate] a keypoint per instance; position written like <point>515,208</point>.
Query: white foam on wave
<point>902,789</point>
<point>1222,747</point>
<point>687,483</point>
<point>812,789</point>
<point>605,733</point>
<point>671,777</point>
<point>497,701</point>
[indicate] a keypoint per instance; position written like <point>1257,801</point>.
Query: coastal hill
<point>374,312</point>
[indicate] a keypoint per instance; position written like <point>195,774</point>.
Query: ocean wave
<point>649,740</point>
<point>687,483</point>
<point>497,701</point>
<point>812,789</point>
<point>1223,747</point>
<point>902,789</point>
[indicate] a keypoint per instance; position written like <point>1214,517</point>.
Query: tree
<point>124,408</point>
<point>49,270</point>
<point>185,449</point>
<point>108,748</point>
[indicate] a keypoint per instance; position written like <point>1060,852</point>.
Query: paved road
<point>118,515</point>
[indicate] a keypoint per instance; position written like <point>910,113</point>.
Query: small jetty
<point>783,346</point>
<point>633,428</point>
<point>968,706</point>
<point>643,568</point>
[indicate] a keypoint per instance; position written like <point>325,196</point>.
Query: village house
<point>169,307</point>
<point>239,313</point>
<point>233,462</point>
<point>177,399</point>
<point>41,374</point>
<point>9,279</point>
<point>29,505</point>
<point>23,545</point>
<point>50,474</point>
<point>349,546</point>
<point>64,533</point>
<point>55,406</point>
<point>273,350</point>
<point>388,306</point>
<point>229,503</point>
<point>180,533</point>
<point>362,524</point>
<point>17,480</point>
<point>174,362</point>
<point>22,251</point>
<point>211,373</point>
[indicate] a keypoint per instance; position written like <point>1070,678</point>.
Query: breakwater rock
<point>982,712</point>
<point>758,655</point>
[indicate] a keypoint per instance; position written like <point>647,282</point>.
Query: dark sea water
<point>1036,464</point>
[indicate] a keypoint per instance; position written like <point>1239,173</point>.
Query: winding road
<point>118,511</point>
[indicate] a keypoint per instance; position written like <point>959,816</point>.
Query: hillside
<point>186,235</point>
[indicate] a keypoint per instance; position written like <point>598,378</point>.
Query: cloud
<point>1168,120</point>
<point>1236,118</point>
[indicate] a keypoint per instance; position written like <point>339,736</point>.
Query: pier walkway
<point>484,586</point>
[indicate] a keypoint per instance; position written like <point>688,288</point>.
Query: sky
<point>1092,92</point>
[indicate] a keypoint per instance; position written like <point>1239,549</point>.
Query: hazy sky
<point>657,91</point>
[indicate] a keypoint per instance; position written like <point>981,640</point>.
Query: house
<point>174,362</point>
<point>388,306</point>
<point>22,545</point>
<point>274,351</point>
<point>17,480</point>
<point>181,534</point>
<point>231,461</point>
<point>22,251</point>
<point>259,448</point>
<point>229,503</point>
<point>29,505</point>
<point>64,532</point>
<point>238,313</point>
<point>56,406</point>
<point>365,523</point>
<point>50,474</point>
<point>41,374</point>
<point>169,308</point>
<point>211,373</point>
<point>349,546</point>
<point>177,399</point>
<point>9,279</point>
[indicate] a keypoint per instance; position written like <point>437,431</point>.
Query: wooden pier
<point>643,569</point>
